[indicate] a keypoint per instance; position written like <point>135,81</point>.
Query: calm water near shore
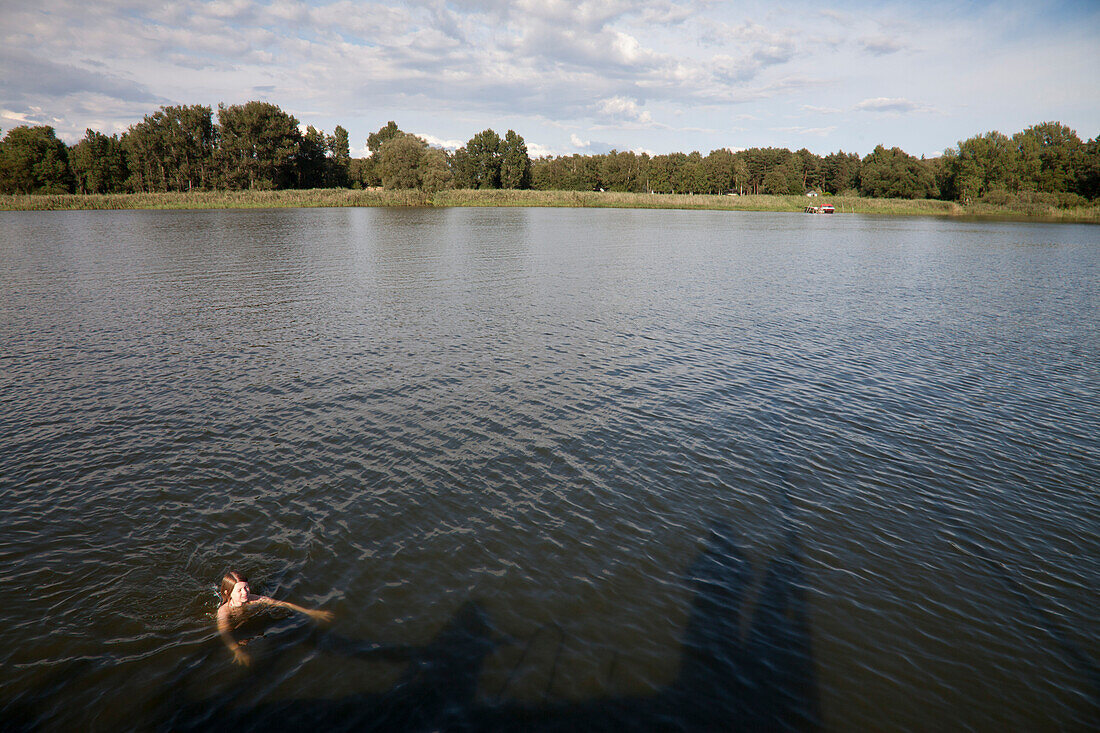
<point>552,469</point>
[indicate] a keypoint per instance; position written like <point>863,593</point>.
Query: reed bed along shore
<point>329,197</point>
<point>288,199</point>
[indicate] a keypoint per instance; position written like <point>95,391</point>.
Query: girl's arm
<point>316,615</point>
<point>240,656</point>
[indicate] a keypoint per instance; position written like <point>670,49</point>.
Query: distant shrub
<point>999,197</point>
<point>1067,200</point>
<point>1036,197</point>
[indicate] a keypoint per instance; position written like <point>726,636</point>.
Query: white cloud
<point>623,109</point>
<point>32,116</point>
<point>882,45</point>
<point>890,105</point>
<point>536,150</point>
<point>819,110</point>
<point>798,130</point>
<point>435,142</point>
<point>667,14</point>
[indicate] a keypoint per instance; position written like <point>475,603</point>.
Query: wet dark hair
<point>229,580</point>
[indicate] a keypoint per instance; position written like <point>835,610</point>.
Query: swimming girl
<point>237,600</point>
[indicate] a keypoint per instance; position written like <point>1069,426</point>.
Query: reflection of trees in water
<point>763,679</point>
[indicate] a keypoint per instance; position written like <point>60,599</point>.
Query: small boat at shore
<point>823,209</point>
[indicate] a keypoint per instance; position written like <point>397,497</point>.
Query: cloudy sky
<point>653,75</point>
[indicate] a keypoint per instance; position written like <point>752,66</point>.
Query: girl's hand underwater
<point>321,617</point>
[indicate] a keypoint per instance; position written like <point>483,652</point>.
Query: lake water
<point>551,469</point>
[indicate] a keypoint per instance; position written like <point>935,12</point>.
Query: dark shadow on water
<point>727,681</point>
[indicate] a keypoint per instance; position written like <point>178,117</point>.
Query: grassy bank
<point>312,198</point>
<point>591,199</point>
<point>573,199</point>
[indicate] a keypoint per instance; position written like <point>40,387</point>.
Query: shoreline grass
<point>563,199</point>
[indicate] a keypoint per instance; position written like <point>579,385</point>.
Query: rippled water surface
<point>551,469</point>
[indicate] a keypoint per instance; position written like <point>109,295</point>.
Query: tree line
<point>257,145</point>
<point>1047,162</point>
<point>179,148</point>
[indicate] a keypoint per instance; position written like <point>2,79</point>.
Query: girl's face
<point>239,595</point>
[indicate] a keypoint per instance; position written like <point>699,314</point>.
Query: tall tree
<point>740,174</point>
<point>840,172</point>
<point>363,173</point>
<point>660,174</point>
<point>406,161</point>
<point>399,160</point>
<point>174,148</point>
<point>435,173</point>
<point>691,176</point>
<point>1050,154</point>
<point>480,161</point>
<point>339,160</point>
<point>1088,181</point>
<point>811,170</point>
<point>979,165</point>
<point>895,174</point>
<point>515,164</point>
<point>99,164</point>
<point>312,159</point>
<point>33,160</point>
<point>259,143</point>
<point>621,171</point>
<point>171,149</point>
<point>718,166</point>
<point>376,140</point>
<point>776,181</point>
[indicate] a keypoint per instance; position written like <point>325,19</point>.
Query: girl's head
<point>232,586</point>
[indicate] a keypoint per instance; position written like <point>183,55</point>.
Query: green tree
<point>99,164</point>
<point>740,174</point>
<point>718,167</point>
<point>812,171</point>
<point>363,173</point>
<point>406,161</point>
<point>259,144</point>
<point>1088,182</point>
<point>515,164</point>
<point>339,161</point>
<point>670,172</point>
<point>793,169</point>
<point>144,146</point>
<point>759,161</point>
<point>979,165</point>
<point>623,171</point>
<point>399,161</point>
<point>1050,157</point>
<point>776,182</point>
<point>690,177</point>
<point>435,172</point>
<point>312,161</point>
<point>840,172</point>
<point>562,173</point>
<point>895,174</point>
<point>574,173</point>
<point>480,161</point>
<point>33,160</point>
<point>376,140</point>
<point>172,149</point>
<point>660,174</point>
